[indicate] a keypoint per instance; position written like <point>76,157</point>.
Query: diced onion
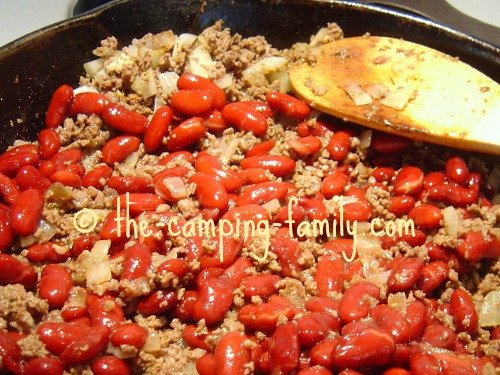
<point>283,78</point>
<point>398,98</point>
<point>272,206</point>
<point>131,160</point>
<point>118,353</point>
<point>80,89</point>
<point>26,241</point>
<point>145,84</point>
<point>451,221</point>
<point>357,94</point>
<point>183,41</point>
<point>92,67</point>
<point>175,186</point>
<point>489,312</point>
<point>153,343</point>
<point>377,90</point>
<point>257,71</point>
<point>96,263</point>
<point>168,82</point>
<point>228,150</point>
<point>365,139</point>
<point>225,81</point>
<point>200,61</point>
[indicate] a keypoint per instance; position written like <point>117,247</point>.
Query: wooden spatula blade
<point>426,95</point>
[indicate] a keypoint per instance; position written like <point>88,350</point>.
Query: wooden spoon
<point>403,88</point>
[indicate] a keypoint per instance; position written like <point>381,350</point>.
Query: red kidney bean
<point>231,354</point>
<point>313,327</point>
<point>424,364</point>
<point>262,192</point>
<point>138,202</point>
<point>118,148</point>
<point>322,304</point>
<point>396,371</point>
<point>110,365</point>
<point>205,365</point>
<point>230,249</point>
<point>456,170</point>
<point>130,334</point>
<point>432,276</point>
<point>339,145</point>
<point>13,271</point>
<point>26,211</point>
<point>263,316</point>
<point>185,307</point>
<point>409,180</point>
<point>400,205</point>
<point>473,246</point>
<point>66,157</point>
<point>136,262</point>
<point>287,251</point>
<point>288,105</point>
<point>315,127</point>
<point>284,349</point>
<point>55,285</point>
<point>9,165</point>
<point>67,178</point>
<point>157,128</point>
<point>261,148</point>
<point>392,321</point>
<point>123,119</point>
<point>192,102</point>
<point>105,311</point>
<point>97,176</point>
<point>29,177</point>
<point>194,338</point>
<point>439,336</point>
<point>463,311</point>
<point>259,106</point>
<point>209,192</point>
<point>245,118</point>
<point>389,143</point>
<point>214,122</point>
<point>280,166</point>
<point>44,366</point>
<point>329,275</point>
<point>405,274</point>
<point>215,298</point>
<point>322,353</point>
<point>368,347</point>
<point>426,216</point>
<point>315,370</point>
<point>305,146</point>
<point>355,304</point>
<point>179,267</point>
<point>433,179</point>
<point>25,148</point>
<point>238,270</point>
<point>87,346</point>
<point>262,285</point>
<point>206,163</point>
<point>383,174</point>
<point>88,103</point>
<point>131,184</point>
<point>188,81</point>
<point>453,195</point>
<point>48,143</point>
<point>158,302</point>
<point>6,234</point>
<point>58,336</point>
<point>186,133</point>
<point>59,106</point>
<point>334,184</point>
<point>186,155</point>
<point>8,189</point>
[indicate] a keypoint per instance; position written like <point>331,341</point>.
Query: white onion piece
<point>96,263</point>
<point>117,352</point>
<point>183,41</point>
<point>398,98</point>
<point>168,82</point>
<point>272,206</point>
<point>365,139</point>
<point>489,311</point>
<point>200,61</point>
<point>131,160</point>
<point>358,95</point>
<point>377,90</point>
<point>80,89</point>
<point>257,71</point>
<point>26,241</point>
<point>92,67</point>
<point>228,150</point>
<point>145,84</point>
<point>225,81</point>
<point>176,188</point>
<point>153,343</point>
<point>451,221</point>
<point>283,78</point>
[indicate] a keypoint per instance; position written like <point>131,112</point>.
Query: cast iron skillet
<point>33,66</point>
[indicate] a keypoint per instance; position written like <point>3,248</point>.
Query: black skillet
<point>33,66</point>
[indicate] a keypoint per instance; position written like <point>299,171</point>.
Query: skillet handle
<point>442,12</point>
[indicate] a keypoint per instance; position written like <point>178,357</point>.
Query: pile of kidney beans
<point>356,333</point>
